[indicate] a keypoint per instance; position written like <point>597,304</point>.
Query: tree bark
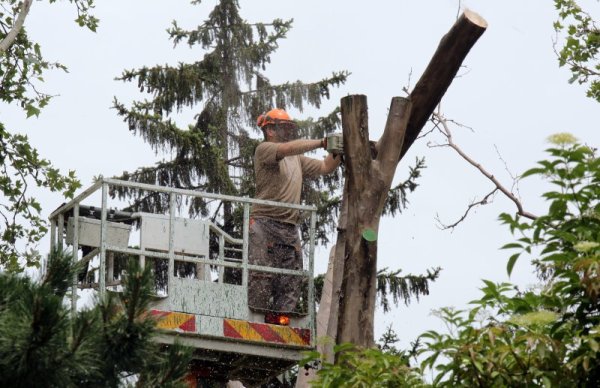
<point>368,182</point>
<point>440,72</point>
<point>330,333</point>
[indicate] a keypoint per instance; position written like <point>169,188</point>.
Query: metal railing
<point>57,232</point>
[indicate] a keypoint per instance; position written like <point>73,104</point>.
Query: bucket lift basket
<point>204,311</point>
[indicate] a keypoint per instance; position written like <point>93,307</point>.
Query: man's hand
<point>334,143</point>
<point>330,163</point>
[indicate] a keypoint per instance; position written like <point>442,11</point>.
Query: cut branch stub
<point>440,72</point>
<point>392,139</point>
<point>355,124</point>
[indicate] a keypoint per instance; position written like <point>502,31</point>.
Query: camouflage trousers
<point>274,244</point>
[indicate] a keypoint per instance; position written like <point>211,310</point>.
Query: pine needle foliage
<point>390,284</point>
<point>109,345</point>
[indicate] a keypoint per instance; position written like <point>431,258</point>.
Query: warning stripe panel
<point>267,333</point>
<point>241,329</point>
<point>264,332</point>
<point>170,320</point>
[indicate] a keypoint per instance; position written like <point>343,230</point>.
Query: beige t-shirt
<point>280,181</point>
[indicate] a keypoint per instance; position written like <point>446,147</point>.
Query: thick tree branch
<point>392,139</point>
<point>14,32</point>
<point>440,72</point>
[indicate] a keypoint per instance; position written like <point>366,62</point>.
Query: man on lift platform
<point>279,167</point>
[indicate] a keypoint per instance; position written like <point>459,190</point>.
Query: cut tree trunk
<point>367,184</point>
<point>426,95</point>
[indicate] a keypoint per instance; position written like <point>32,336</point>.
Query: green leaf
<point>511,246</point>
<point>511,263</point>
<point>32,111</point>
<point>533,171</point>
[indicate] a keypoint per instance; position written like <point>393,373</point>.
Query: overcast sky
<point>511,93</point>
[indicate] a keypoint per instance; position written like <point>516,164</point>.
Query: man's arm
<point>330,163</point>
<point>297,147</point>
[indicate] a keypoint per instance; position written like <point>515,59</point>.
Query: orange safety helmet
<point>274,116</point>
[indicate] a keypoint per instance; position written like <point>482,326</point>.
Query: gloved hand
<point>334,144</point>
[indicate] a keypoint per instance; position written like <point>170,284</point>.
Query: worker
<point>279,167</point>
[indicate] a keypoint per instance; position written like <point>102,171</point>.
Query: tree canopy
<point>22,67</point>
<point>581,46</point>
<point>548,335</point>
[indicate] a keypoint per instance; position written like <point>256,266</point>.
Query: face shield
<point>286,131</point>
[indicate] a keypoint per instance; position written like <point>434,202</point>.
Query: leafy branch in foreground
<point>549,335</point>
<point>382,366</point>
<point>20,221</point>
<point>22,67</point>
<point>581,45</point>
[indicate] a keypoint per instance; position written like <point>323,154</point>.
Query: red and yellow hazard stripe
<point>264,332</point>
<point>170,320</point>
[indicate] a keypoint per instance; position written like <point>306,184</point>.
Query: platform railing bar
<point>60,231</point>
<point>95,285</point>
<point>171,266</point>
<point>228,264</point>
<point>89,256</point>
<point>221,257</point>
<point>52,234</point>
<point>311,285</point>
<point>194,193</point>
<point>144,186</point>
<point>225,235</point>
<point>235,259</point>
<point>103,231</point>
<point>246,231</point>
<point>78,199</point>
<point>75,256</point>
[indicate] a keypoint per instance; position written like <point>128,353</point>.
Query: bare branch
<point>483,201</point>
<point>424,134</point>
<point>440,120</point>
<point>406,89</point>
<point>515,185</point>
<point>12,35</point>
